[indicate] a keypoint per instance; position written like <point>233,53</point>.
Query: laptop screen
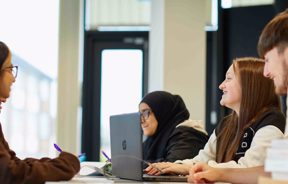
<point>126,146</point>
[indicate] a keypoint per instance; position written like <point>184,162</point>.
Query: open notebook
<point>126,150</point>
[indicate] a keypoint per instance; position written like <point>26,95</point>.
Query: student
<point>170,134</point>
<point>241,138</point>
<point>12,169</point>
<point>273,47</point>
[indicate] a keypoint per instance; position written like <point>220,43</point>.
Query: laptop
<point>126,150</point>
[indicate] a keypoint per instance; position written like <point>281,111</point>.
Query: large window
<point>30,29</point>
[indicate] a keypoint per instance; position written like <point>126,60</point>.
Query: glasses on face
<point>145,114</point>
<point>12,69</point>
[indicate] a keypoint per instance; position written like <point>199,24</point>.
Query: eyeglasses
<point>145,114</point>
<point>12,69</point>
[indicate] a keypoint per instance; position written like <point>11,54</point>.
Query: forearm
<point>240,175</point>
<point>36,171</point>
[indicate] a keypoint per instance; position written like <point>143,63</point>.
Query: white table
<point>86,168</point>
<point>94,179</point>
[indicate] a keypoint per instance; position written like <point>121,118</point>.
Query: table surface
<point>87,168</point>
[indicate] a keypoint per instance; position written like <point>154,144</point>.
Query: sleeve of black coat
<point>184,143</point>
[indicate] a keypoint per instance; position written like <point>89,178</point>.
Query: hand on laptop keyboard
<point>153,167</point>
<point>167,168</point>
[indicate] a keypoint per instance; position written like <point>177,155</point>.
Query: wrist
<point>187,169</point>
<point>221,174</point>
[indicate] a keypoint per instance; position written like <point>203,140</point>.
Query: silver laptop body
<point>126,149</point>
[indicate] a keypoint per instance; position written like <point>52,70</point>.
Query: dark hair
<point>166,107</point>
<point>169,110</point>
<point>258,96</point>
<point>4,52</point>
<point>274,34</point>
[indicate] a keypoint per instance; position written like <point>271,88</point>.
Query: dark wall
<point>241,29</point>
<point>237,36</point>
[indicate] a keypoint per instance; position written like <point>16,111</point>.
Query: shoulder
<point>272,117</point>
<point>183,132</point>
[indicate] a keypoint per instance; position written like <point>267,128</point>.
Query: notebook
<point>126,150</point>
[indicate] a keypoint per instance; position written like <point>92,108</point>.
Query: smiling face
<point>6,80</point>
<point>276,68</point>
<point>149,123</point>
<point>231,88</point>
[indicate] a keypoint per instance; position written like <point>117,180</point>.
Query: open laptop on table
<point>126,150</point>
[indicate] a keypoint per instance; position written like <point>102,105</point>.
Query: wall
<point>69,73</point>
<point>177,51</point>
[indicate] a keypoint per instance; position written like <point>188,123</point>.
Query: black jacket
<point>184,143</point>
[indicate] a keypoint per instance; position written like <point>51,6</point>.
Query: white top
<point>254,156</point>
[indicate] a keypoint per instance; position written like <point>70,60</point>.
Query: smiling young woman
<point>30,170</point>
<point>241,138</point>
<point>171,135</point>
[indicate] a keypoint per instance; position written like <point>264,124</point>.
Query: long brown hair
<point>258,95</point>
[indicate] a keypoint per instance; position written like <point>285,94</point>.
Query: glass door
<point>121,87</point>
<point>114,81</point>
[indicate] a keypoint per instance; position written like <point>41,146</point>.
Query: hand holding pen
<point>81,157</point>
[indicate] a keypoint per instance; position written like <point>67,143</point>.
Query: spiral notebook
<point>126,150</point>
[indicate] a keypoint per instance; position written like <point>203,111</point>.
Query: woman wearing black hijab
<point>170,134</point>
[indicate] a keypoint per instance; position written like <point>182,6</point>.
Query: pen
<point>57,148</point>
<point>106,156</point>
<point>81,157</point>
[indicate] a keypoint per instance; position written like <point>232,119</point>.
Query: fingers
<point>197,173</point>
<point>157,168</point>
<point>167,168</point>
<point>152,170</point>
<point>197,168</point>
<point>179,169</point>
<point>148,169</point>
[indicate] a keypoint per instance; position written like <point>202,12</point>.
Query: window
<point>28,117</point>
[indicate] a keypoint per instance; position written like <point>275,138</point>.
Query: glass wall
<point>30,29</point>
